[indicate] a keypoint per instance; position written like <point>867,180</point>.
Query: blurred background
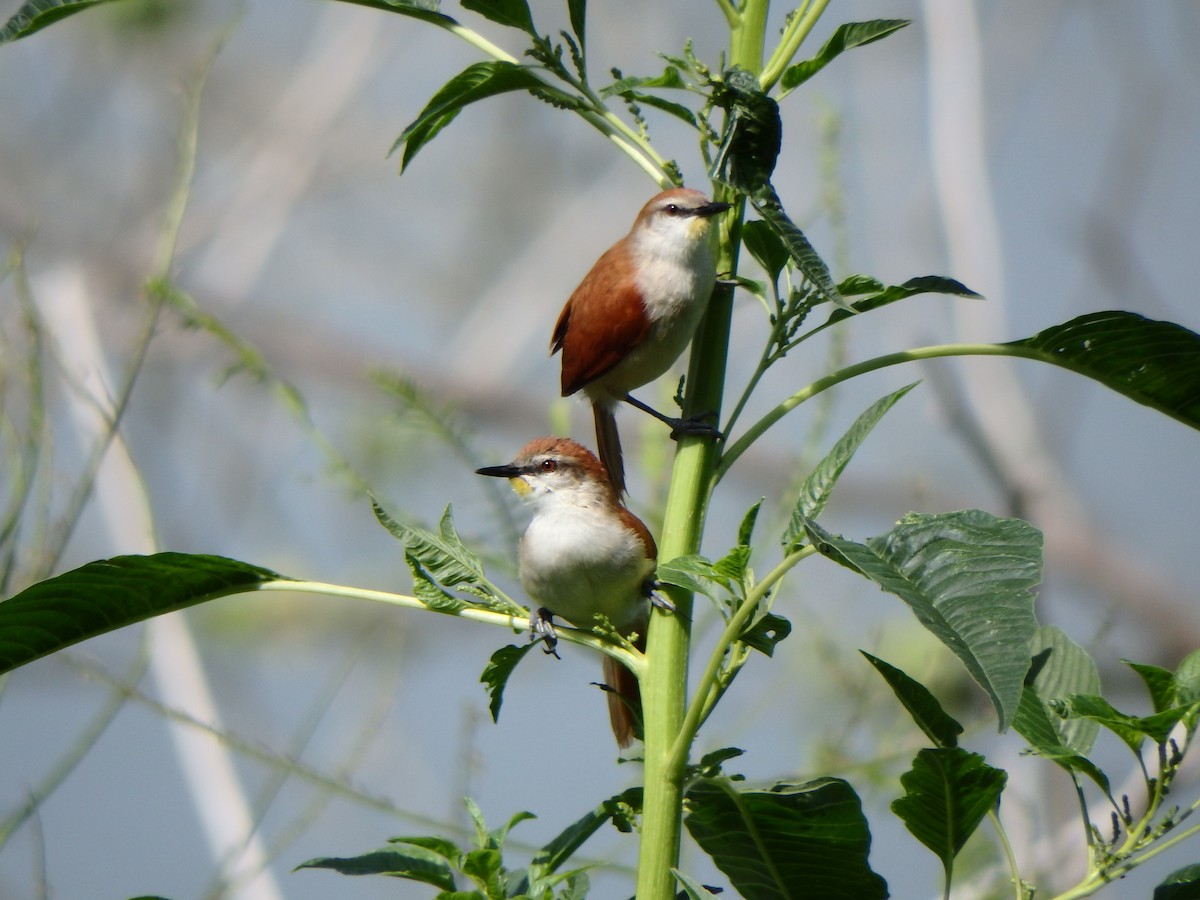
<point>1041,151</point>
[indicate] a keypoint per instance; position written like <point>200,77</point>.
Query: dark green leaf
<point>1131,729</point>
<point>750,144</point>
<point>409,862</point>
<point>942,729</point>
<point>806,259</point>
<point>967,576</point>
<point>429,591</point>
<point>1159,682</point>
<point>577,11</point>
<point>678,110</point>
<point>495,674</point>
<point>817,487</point>
<point>766,247</point>
<point>948,791</point>
<point>670,78</point>
<point>1155,363</point>
<point>847,36</point>
<point>443,847</point>
<point>110,594</point>
<point>513,13</point>
<point>1187,679</point>
<point>619,809</point>
<point>476,82</point>
<point>1067,670</point>
<point>711,764</point>
<point>769,841</point>
<point>34,15</point>
<point>692,889</point>
<point>1044,730</point>
<point>424,10</point>
<point>765,633</point>
<point>746,529</point>
<point>1182,884</point>
<point>881,296</point>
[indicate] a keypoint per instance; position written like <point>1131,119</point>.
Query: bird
<point>634,313</point>
<point>584,557</point>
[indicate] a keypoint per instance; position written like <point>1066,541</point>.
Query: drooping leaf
<point>513,13</point>
<point>769,841</point>
<point>678,110</point>
<point>692,573</point>
<point>620,809</point>
<point>846,37</point>
<point>765,632</point>
<point>1044,729</point>
<point>1130,729</point>
<point>34,15</point>
<point>423,10</point>
<point>496,672</point>
<point>809,263</point>
<point>940,727</point>
<point>1182,884</point>
<point>109,594</point>
<point>429,591</point>
<point>967,576</point>
<point>948,791</point>
<point>476,82</point>
<point>817,487</point>
<point>409,862</point>
<point>879,296</point>
<point>1155,363</point>
<point>1159,682</point>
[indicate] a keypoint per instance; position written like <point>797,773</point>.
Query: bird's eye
<point>549,465</point>
<point>672,210</point>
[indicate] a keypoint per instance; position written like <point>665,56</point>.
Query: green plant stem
<point>701,703</point>
<point>1009,854</point>
<point>730,12</point>
<point>635,661</point>
<point>797,30</point>
<point>937,351</point>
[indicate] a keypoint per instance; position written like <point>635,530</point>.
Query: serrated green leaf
<point>818,486</point>
<point>881,296</point>
<point>34,15</point>
<point>765,633</point>
<point>109,594</point>
<point>496,672</point>
<point>577,12</point>
<point>692,573</point>
<point>746,528</point>
<point>619,807</point>
<point>512,13</point>
<point>670,78</point>
<point>766,247</point>
<point>410,862</point>
<point>941,728</point>
<point>1130,729</point>
<point>768,841</point>
<point>429,591</point>
<point>948,791</point>
<point>1154,363</point>
<point>809,263</point>
<point>476,82</point>
<point>968,578</point>
<point>443,555</point>
<point>1182,884</point>
<point>846,37</point>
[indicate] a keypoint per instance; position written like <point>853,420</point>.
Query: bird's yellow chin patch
<point>520,486</point>
<point>698,227</point>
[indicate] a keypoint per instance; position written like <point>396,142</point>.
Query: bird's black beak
<point>509,471</point>
<point>711,209</point>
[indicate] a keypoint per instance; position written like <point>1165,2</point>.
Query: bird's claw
<point>541,628</point>
<point>695,426</point>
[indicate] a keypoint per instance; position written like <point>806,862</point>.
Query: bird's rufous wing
<point>594,334</point>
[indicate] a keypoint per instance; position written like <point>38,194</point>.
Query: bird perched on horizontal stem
<point>634,313</point>
<point>584,557</point>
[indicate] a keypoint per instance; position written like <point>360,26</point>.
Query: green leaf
<point>941,728</point>
<point>817,487</point>
<point>846,37</point>
<point>513,13</point>
<point>769,841</point>
<point>577,11</point>
<point>476,82</point>
<point>443,847</point>
<point>967,576</point>
<point>1159,682</point>
<point>766,632</point>
<point>692,573</point>
<point>409,862</point>
<point>1155,363</point>
<point>808,261</point>
<point>34,15</point>
<point>692,889</point>
<point>1068,670</point>
<point>746,529</point>
<point>766,247</point>
<point>670,78</point>
<point>678,110</point>
<point>750,143</point>
<point>429,591</point>
<point>948,791</point>
<point>881,296</point>
<point>619,809</point>
<point>1130,729</point>
<point>109,594</point>
<point>443,555</point>
<point>1182,884</point>
<point>1044,730</point>
<point>423,10</point>
<point>499,668</point>
<point>1187,678</point>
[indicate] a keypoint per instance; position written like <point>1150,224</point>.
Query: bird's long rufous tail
<point>624,701</point>
<point>608,445</point>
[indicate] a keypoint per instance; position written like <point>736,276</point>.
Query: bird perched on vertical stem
<point>584,556</point>
<point>634,313</point>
